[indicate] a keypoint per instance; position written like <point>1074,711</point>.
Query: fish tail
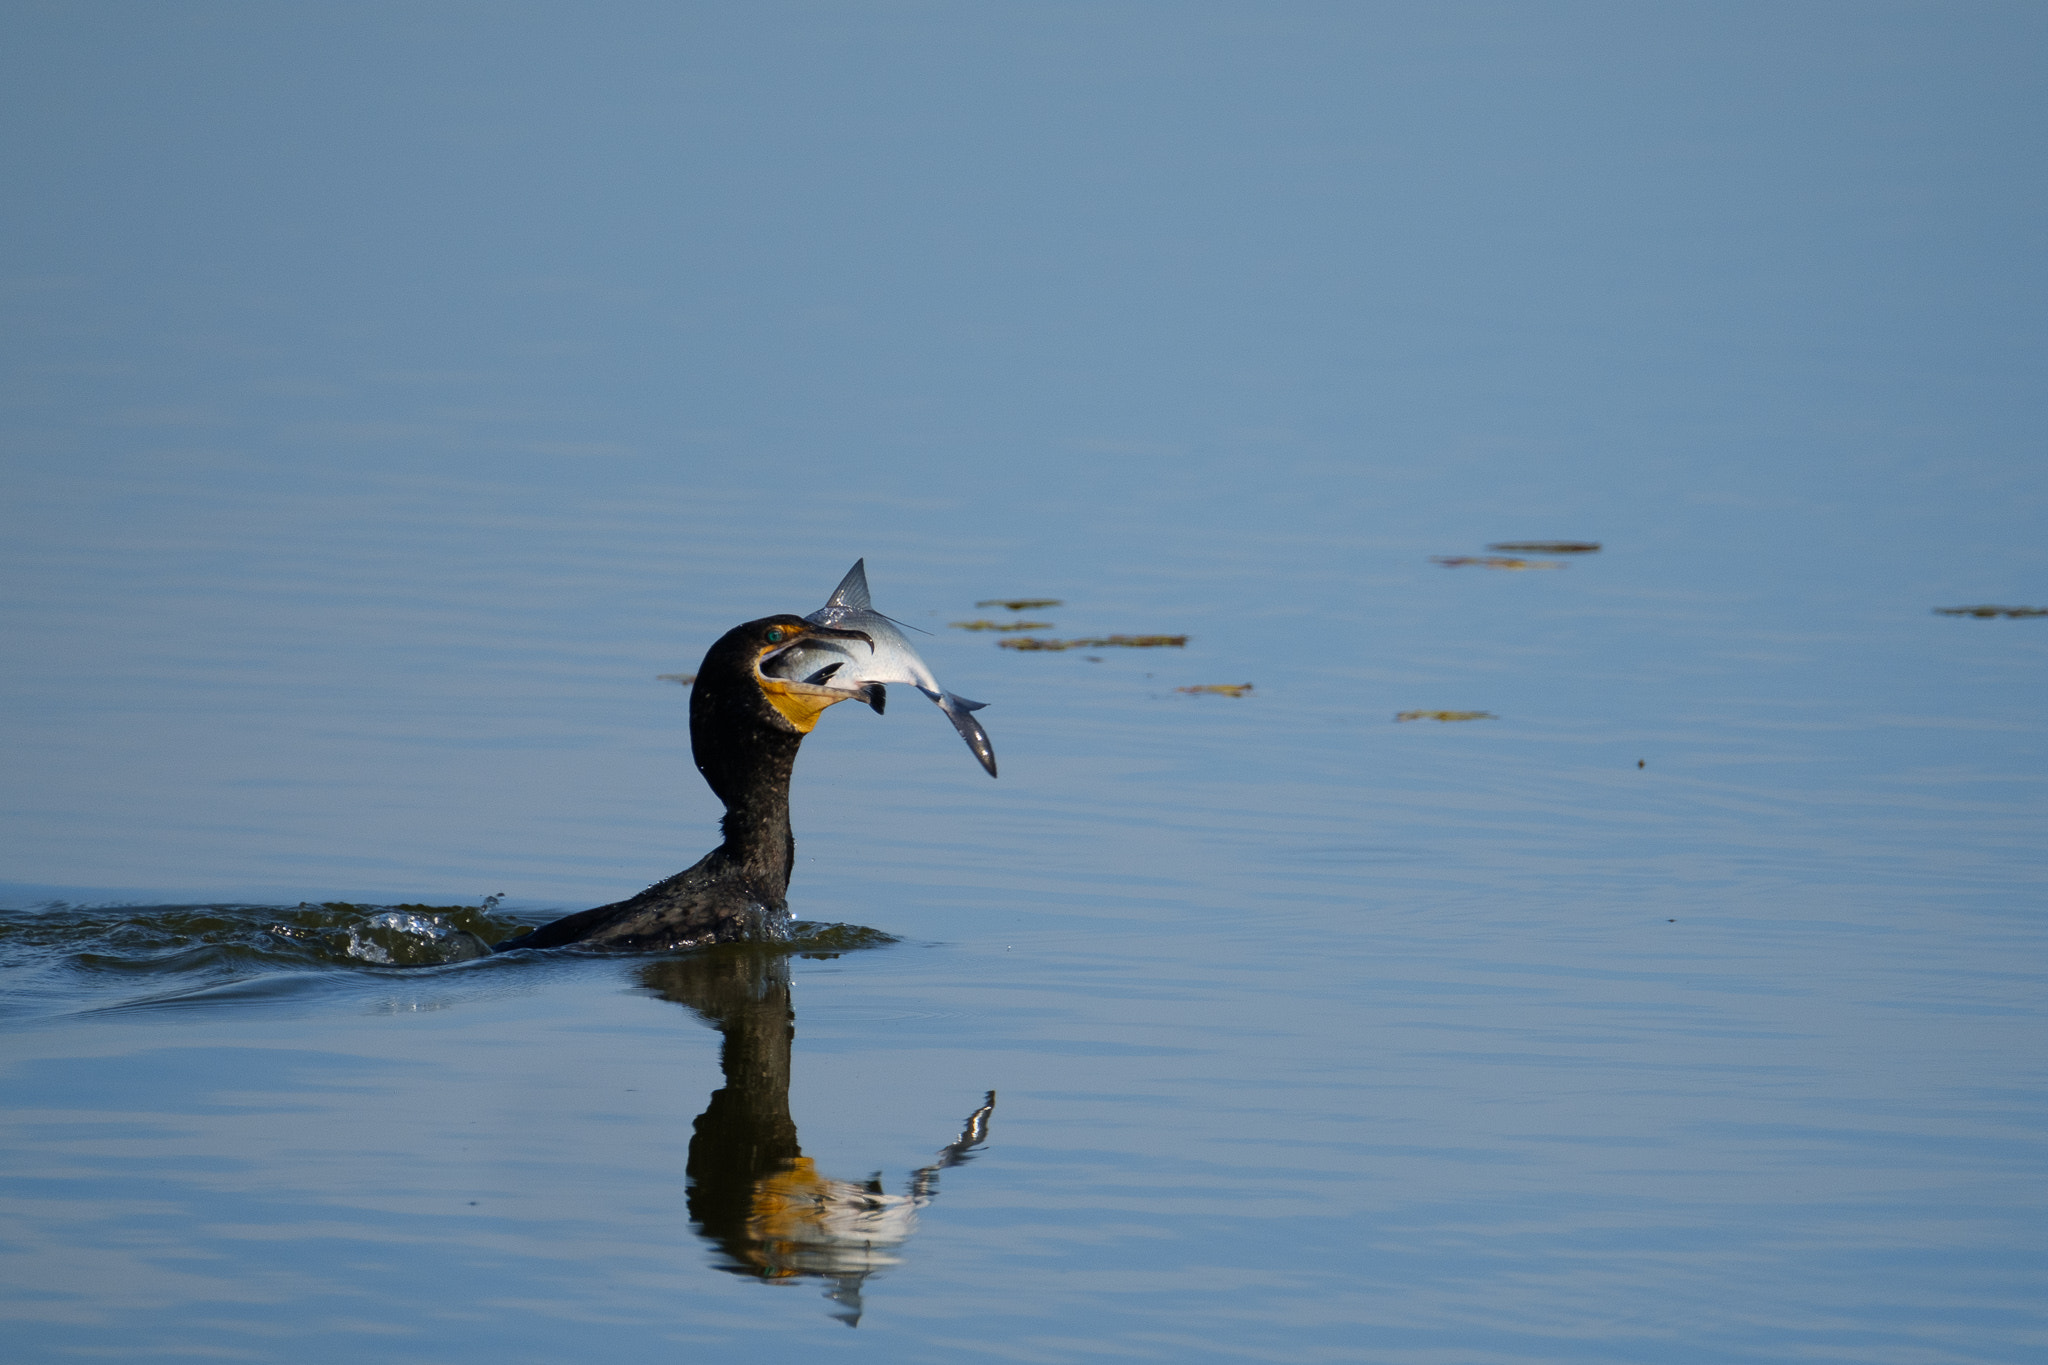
<point>961,711</point>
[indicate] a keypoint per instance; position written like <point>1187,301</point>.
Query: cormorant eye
<point>775,635</point>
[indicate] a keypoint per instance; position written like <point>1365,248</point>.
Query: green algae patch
<point>1445,715</point>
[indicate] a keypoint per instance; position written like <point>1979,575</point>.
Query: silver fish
<point>889,659</point>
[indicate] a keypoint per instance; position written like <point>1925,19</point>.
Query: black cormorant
<point>745,726</point>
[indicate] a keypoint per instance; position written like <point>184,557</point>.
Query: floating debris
<point>1445,715</point>
<point>1029,644</point>
<point>1220,689</point>
<point>1547,547</point>
<point>1021,603</point>
<point>1987,611</point>
<point>684,678</point>
<point>1495,562</point>
<point>1001,625</point>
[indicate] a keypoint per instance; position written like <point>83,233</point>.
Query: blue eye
<point>775,635</point>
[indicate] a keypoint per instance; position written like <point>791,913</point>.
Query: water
<point>390,397</point>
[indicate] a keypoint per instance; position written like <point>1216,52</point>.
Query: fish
<point>868,669</point>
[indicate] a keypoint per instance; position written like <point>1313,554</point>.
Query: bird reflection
<point>753,1194</point>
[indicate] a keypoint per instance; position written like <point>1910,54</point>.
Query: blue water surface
<point>390,394</point>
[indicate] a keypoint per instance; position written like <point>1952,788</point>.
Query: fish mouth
<point>797,677</point>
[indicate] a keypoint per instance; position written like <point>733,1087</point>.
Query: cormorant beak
<point>796,677</point>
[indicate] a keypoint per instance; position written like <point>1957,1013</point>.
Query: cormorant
<point>745,725</point>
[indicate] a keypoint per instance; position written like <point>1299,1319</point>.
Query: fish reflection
<point>753,1194</point>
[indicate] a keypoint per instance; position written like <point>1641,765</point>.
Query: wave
<point>65,957</point>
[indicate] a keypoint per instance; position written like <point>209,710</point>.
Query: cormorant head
<point>767,681</point>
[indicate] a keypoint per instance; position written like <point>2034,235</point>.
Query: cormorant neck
<point>746,750</point>
<point>749,769</point>
<point>756,824</point>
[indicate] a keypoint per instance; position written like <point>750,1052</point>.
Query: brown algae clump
<point>1445,715</point>
<point>1547,547</point>
<point>1000,625</point>
<point>1495,562</point>
<point>1021,603</point>
<point>1030,644</point>
<point>1219,689</point>
<point>1987,611</point>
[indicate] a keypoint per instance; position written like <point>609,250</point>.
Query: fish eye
<point>776,635</point>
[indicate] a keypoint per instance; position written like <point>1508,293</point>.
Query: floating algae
<point>1445,715</point>
<point>1987,611</point>
<point>1021,603</point>
<point>1030,645</point>
<point>1220,689</point>
<point>1001,625</point>
<point>1495,562</point>
<point>1547,547</point>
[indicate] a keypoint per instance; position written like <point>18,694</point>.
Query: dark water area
<point>1401,932</point>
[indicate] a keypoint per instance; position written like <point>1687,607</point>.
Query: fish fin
<point>825,674</point>
<point>852,595</point>
<point>852,592</point>
<point>964,704</point>
<point>878,697</point>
